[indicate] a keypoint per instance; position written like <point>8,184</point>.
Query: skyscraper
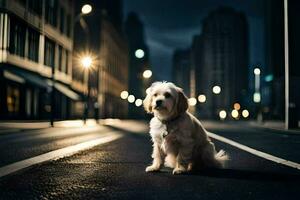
<point>134,30</point>
<point>222,60</point>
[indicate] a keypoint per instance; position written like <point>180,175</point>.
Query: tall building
<point>134,30</point>
<point>35,40</point>
<point>221,54</point>
<point>99,35</point>
<point>181,72</point>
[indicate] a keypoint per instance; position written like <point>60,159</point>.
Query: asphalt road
<point>116,171</point>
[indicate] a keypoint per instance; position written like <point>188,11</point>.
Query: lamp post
<point>86,9</point>
<point>257,94</point>
<point>86,63</point>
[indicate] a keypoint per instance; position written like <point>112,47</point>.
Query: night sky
<point>171,24</point>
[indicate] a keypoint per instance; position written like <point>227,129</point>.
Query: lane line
<point>56,154</point>
<point>255,152</point>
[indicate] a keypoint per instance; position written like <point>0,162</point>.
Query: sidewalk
<point>278,126</point>
<point>7,125</point>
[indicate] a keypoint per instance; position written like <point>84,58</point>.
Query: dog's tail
<point>221,157</point>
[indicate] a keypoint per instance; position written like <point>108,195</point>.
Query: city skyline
<point>172,27</point>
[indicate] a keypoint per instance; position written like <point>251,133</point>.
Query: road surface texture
<point>116,170</point>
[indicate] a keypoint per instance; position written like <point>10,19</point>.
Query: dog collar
<point>169,120</point>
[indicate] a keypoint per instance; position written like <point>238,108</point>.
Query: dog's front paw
<point>179,170</point>
<point>152,168</point>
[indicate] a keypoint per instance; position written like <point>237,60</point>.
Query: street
<point>116,170</point>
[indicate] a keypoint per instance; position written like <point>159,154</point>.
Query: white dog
<point>179,139</point>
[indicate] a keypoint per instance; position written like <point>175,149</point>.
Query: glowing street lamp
<point>256,71</point>
<point>147,73</point>
<point>131,98</point>
<point>235,114</point>
<point>86,62</point>
<point>139,53</point>
<point>202,98</point>
<point>192,101</point>
<point>237,106</point>
<point>138,102</point>
<point>124,94</point>
<point>222,114</point>
<point>86,9</point>
<point>245,113</point>
<point>216,89</point>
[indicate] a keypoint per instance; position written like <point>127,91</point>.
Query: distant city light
<point>147,73</point>
<point>131,98</point>
<point>139,53</point>
<point>86,62</point>
<point>222,114</point>
<point>234,113</point>
<point>192,101</point>
<point>216,89</point>
<point>269,78</point>
<point>245,113</point>
<point>256,97</point>
<point>237,106</point>
<point>257,71</point>
<point>138,102</point>
<point>86,9</point>
<point>124,94</point>
<point>202,98</point>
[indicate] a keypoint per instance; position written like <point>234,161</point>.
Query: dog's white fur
<point>179,139</point>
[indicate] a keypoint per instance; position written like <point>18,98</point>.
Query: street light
<point>139,53</point>
<point>245,113</point>
<point>202,98</point>
<point>147,73</point>
<point>237,106</point>
<point>131,98</point>
<point>222,114</point>
<point>86,62</point>
<point>192,101</point>
<point>216,89</point>
<point>86,9</point>
<point>138,102</point>
<point>235,114</point>
<point>124,94</point>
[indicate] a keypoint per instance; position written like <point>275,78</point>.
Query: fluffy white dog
<point>179,139</point>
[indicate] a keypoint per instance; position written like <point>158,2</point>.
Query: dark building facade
<point>181,72</point>
<point>100,35</point>
<point>35,40</point>
<point>275,75</point>
<point>220,58</point>
<point>134,30</point>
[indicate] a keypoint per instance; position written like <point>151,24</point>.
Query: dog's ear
<point>147,101</point>
<point>182,101</point>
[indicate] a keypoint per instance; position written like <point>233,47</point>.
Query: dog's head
<point>165,100</point>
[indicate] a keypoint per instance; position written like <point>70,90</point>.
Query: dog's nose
<point>159,102</point>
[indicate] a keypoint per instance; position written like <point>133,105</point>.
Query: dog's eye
<point>167,95</point>
<point>155,95</point>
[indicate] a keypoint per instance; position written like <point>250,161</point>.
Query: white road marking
<point>255,152</point>
<point>56,154</point>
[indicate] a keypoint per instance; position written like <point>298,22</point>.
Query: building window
<point>51,12</point>
<point>60,58</point>
<point>69,25</point>
<point>17,38</point>
<point>49,52</point>
<point>67,61</point>
<point>13,99</point>
<point>35,6</point>
<point>33,44</point>
<point>62,20</point>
